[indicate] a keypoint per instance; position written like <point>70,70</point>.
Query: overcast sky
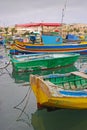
<point>25,11</point>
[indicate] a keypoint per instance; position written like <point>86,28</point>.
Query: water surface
<point>14,87</point>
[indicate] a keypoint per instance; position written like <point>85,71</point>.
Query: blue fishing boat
<point>20,47</point>
<point>51,42</point>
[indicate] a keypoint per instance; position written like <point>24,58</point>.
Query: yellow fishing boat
<point>60,90</point>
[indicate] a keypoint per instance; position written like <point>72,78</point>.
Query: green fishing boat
<point>32,62</point>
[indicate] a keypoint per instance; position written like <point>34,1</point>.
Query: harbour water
<point>18,108</point>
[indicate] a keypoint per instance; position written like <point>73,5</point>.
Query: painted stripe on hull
<point>73,48</point>
<point>57,47</point>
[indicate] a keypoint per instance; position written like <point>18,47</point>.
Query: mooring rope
<point>7,64</point>
<point>22,99</point>
<point>5,68</point>
<point>27,100</point>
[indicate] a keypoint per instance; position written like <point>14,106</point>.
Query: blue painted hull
<point>73,93</point>
<point>41,48</point>
<point>17,52</point>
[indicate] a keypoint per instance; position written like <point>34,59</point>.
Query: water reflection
<point>41,120</point>
<point>27,101</point>
<point>60,120</point>
<point>81,63</point>
<point>24,76</point>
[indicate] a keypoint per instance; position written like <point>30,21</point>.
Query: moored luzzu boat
<point>50,43</point>
<point>60,90</point>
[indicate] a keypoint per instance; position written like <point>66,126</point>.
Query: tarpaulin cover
<point>37,24</point>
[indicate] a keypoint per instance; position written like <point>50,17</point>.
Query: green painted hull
<point>24,76</point>
<point>42,61</point>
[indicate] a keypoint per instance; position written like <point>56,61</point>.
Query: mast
<point>63,14</point>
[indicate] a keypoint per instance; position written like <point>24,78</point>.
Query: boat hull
<point>38,48</point>
<point>46,100</point>
<point>34,62</point>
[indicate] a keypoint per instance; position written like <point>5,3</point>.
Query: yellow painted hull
<point>27,43</point>
<point>45,98</point>
<point>83,42</point>
<point>39,48</point>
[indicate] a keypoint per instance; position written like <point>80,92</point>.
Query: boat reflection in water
<point>24,76</point>
<point>62,119</point>
<point>21,77</point>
